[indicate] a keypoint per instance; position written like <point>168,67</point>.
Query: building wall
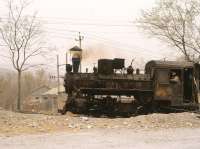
<point>47,104</point>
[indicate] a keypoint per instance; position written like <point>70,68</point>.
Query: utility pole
<point>80,38</point>
<point>58,74</point>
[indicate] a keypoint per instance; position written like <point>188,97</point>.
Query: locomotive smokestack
<point>76,64</point>
<point>76,55</point>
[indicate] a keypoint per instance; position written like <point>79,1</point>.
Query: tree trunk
<point>19,91</point>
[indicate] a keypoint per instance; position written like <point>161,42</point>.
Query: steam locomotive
<point>112,88</point>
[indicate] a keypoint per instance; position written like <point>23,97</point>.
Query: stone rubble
<point>18,123</point>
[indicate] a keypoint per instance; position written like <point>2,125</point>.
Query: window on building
<point>45,97</point>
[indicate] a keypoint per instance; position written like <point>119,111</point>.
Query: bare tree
<point>177,23</point>
<point>21,34</point>
<point>31,80</point>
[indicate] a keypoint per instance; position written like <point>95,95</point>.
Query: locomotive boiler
<point>113,89</point>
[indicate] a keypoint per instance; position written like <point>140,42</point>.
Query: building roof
<point>39,91</point>
<point>54,91</point>
<point>75,48</point>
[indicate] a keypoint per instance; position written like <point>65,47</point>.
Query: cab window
<point>163,76</point>
<point>175,75</point>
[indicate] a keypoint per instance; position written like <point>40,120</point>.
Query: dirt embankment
<point>17,123</point>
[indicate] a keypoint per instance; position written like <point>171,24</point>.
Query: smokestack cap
<point>75,48</point>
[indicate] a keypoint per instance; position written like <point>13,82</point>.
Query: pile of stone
<point>18,123</point>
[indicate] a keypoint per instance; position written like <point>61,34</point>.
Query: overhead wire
<point>131,48</point>
<point>119,43</point>
<point>94,31</point>
<point>78,22</point>
<point>101,37</point>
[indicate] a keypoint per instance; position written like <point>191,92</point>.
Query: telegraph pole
<point>58,74</point>
<point>80,38</point>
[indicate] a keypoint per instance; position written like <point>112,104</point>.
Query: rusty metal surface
<point>112,91</point>
<point>143,89</point>
<point>167,64</point>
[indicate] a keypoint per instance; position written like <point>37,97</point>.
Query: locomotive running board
<point>111,91</point>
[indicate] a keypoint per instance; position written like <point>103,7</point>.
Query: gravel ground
<point>17,123</point>
<point>177,138</point>
<point>154,131</point>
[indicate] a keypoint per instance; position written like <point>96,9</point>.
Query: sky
<point>108,27</point>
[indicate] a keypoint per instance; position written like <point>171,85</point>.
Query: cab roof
<point>167,64</point>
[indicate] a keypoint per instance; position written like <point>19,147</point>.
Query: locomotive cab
<point>175,84</point>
